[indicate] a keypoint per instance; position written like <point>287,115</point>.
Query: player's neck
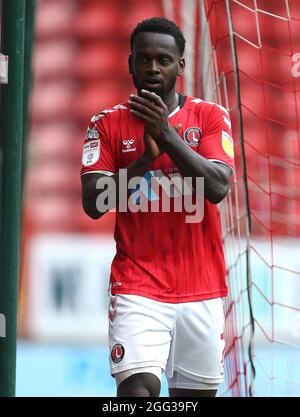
<point>172,101</point>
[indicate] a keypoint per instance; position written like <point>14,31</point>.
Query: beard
<point>162,91</point>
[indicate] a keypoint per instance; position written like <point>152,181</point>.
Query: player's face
<point>155,63</point>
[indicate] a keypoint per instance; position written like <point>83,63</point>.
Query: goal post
<point>16,27</point>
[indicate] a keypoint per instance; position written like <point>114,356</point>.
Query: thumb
<point>177,127</point>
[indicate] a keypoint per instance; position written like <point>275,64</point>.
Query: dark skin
<point>155,64</point>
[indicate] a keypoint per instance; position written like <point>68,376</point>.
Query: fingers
<point>152,97</point>
<point>148,99</point>
<point>149,107</point>
<point>141,114</point>
<point>142,101</point>
<point>140,107</point>
<point>149,104</point>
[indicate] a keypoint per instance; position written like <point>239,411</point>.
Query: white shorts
<point>183,340</point>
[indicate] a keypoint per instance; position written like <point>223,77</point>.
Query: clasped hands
<point>150,108</point>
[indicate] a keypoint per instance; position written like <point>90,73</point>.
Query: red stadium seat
<point>52,100</point>
<point>84,224</point>
<point>139,10</point>
<point>99,96</point>
<point>54,18</point>
<point>97,59</point>
<point>51,177</point>
<point>294,9</point>
<point>244,22</point>
<point>52,141</point>
<point>274,32</point>
<point>54,59</point>
<point>96,19</point>
<point>249,59</point>
<point>50,213</point>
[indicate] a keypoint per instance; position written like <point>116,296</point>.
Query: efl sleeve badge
<point>91,153</point>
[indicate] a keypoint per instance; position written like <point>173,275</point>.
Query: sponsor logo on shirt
<point>117,353</point>
<point>94,145</point>
<point>227,144</point>
<point>192,136</point>
<point>127,145</point>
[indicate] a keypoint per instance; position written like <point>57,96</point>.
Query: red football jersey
<point>160,255</point>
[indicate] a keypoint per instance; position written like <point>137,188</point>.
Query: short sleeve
<point>216,143</point>
<point>97,153</point>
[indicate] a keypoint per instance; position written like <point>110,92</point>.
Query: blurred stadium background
<point>242,54</point>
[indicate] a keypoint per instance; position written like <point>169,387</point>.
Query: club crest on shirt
<point>117,353</point>
<point>192,136</point>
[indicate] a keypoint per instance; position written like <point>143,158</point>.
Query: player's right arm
<point>90,192</point>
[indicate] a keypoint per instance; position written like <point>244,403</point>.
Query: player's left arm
<point>152,110</point>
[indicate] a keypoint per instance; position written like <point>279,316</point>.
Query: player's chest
<point>130,144</point>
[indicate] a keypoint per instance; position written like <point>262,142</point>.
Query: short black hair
<point>160,25</point>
